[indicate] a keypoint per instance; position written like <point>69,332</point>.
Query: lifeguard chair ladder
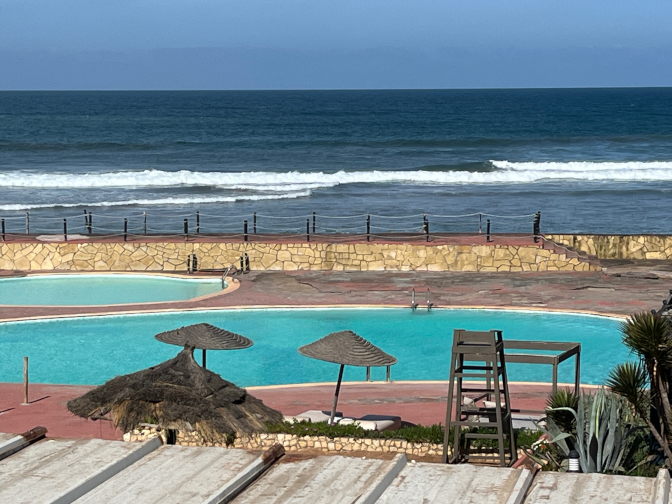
<point>479,355</point>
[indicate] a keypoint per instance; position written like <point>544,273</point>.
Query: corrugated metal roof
<point>320,480</point>
<point>47,469</point>
<point>562,488</point>
<point>147,473</point>
<point>424,483</point>
<point>179,474</point>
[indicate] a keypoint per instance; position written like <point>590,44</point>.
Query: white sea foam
<point>160,201</point>
<point>283,182</point>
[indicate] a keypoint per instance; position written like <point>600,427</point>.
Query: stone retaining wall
<point>619,246</point>
<point>292,442</point>
<point>287,257</point>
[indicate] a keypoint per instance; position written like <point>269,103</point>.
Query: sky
<point>333,44</point>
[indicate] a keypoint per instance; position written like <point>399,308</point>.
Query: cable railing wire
<point>255,223</point>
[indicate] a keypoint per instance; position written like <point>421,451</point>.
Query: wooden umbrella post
<point>25,382</point>
<point>338,389</point>
<point>204,359</point>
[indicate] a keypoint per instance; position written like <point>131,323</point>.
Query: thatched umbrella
<point>346,348</point>
<point>205,337</point>
<point>177,394</point>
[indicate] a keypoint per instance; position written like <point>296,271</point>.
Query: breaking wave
<point>159,201</point>
<point>491,173</point>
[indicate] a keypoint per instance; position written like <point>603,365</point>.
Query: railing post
<point>536,226</point>
<point>65,229</point>
<point>27,223</point>
<point>313,222</point>
<point>90,223</point>
<point>144,222</point>
<point>308,230</point>
<point>254,223</point>
<point>368,227</point>
<point>86,220</point>
<point>245,230</point>
<point>2,223</point>
<point>427,229</point>
<point>480,223</point>
<point>186,228</point>
<point>198,222</point>
<point>487,227</point>
<point>125,229</point>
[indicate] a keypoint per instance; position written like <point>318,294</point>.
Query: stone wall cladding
<point>172,256</point>
<point>619,246</point>
<point>292,442</point>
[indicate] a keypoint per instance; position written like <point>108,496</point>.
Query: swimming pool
<point>91,350</point>
<point>102,289</point>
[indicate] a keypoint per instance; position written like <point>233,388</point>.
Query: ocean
<point>590,160</point>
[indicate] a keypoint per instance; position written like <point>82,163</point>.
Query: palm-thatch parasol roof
<point>205,337</point>
<point>346,348</point>
<point>177,394</point>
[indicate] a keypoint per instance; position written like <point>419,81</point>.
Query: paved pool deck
<point>415,402</point>
<point>624,288</point>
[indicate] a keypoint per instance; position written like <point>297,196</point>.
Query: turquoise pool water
<point>101,289</point>
<point>92,350</point>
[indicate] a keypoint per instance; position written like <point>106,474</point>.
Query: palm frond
<point>630,380</point>
<point>649,336</point>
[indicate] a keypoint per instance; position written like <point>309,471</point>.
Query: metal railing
<point>369,226</point>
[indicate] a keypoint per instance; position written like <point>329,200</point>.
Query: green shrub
<point>413,434</point>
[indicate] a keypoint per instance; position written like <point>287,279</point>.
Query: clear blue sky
<point>281,44</point>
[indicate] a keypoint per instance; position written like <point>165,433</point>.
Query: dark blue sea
<point>590,160</point>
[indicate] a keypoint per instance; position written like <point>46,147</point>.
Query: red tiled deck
<point>418,403</point>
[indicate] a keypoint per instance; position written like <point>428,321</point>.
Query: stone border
<point>169,256</point>
<point>618,246</point>
<point>292,442</point>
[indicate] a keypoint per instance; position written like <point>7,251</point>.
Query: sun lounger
<point>367,422</point>
<point>374,422</point>
<point>312,416</point>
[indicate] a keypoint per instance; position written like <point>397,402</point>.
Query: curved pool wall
<point>102,289</point>
<point>91,350</point>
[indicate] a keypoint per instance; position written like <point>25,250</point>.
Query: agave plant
<point>647,383</point>
<point>602,432</point>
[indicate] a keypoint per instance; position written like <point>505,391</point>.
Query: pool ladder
<point>414,304</point>
<point>226,273</point>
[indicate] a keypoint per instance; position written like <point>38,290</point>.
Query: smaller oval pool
<point>102,289</point>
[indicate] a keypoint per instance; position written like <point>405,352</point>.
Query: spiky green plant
<point>603,429</point>
<point>647,383</point>
<point>562,398</point>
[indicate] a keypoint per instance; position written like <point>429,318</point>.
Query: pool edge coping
<point>402,382</point>
<point>311,307</point>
